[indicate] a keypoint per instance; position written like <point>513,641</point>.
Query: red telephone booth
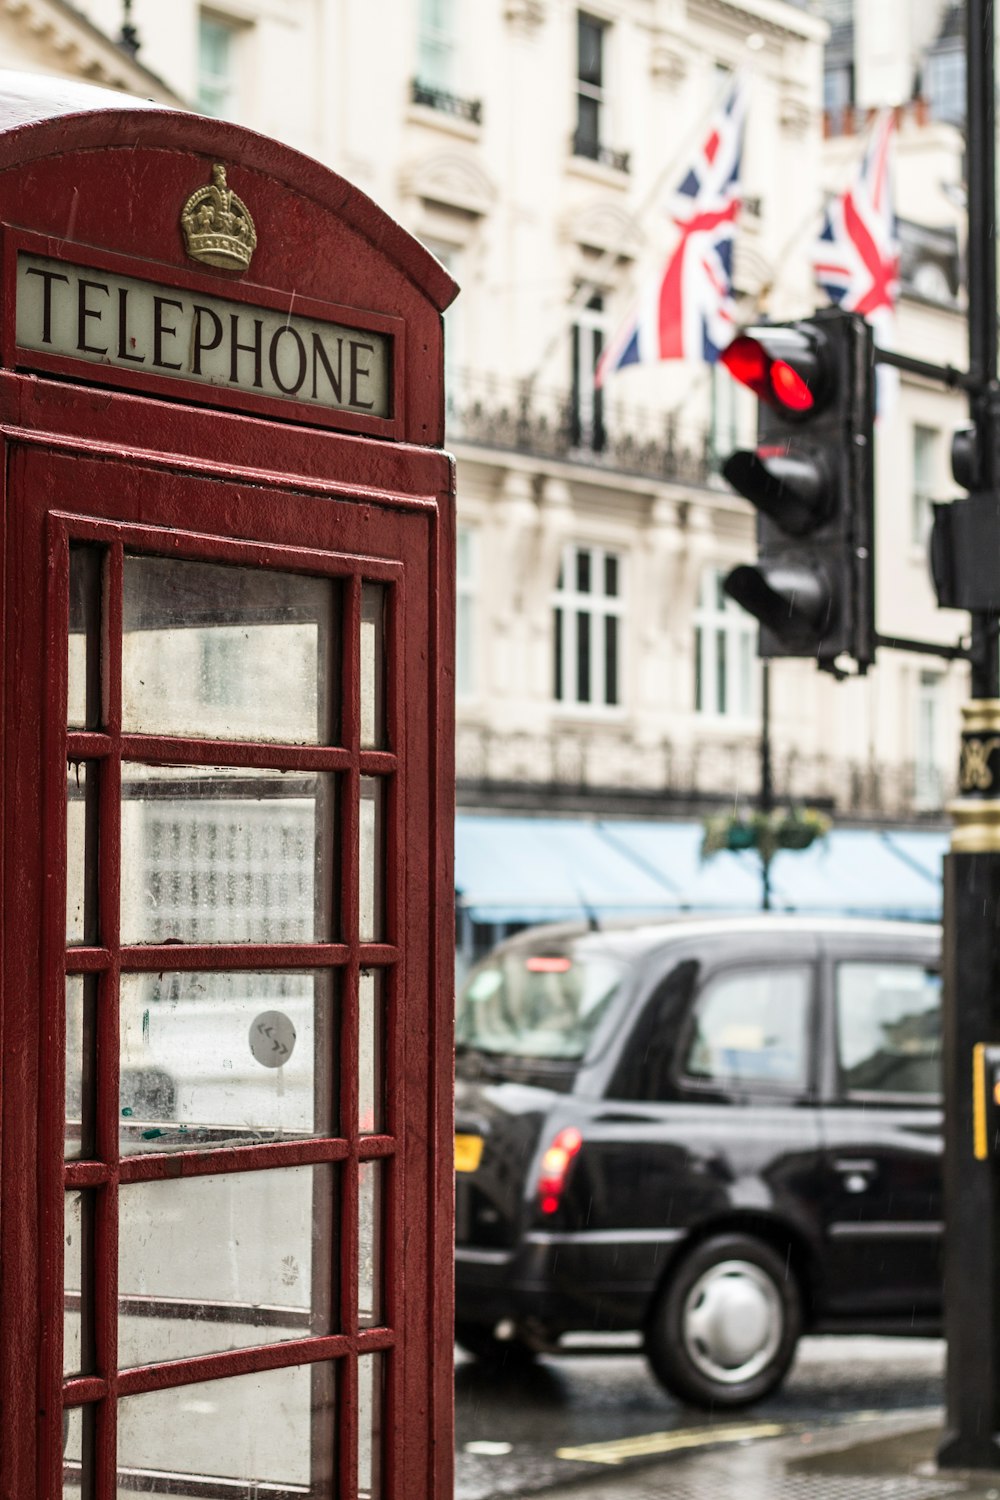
<point>225,1201</point>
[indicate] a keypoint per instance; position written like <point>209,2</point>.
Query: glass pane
<point>275,1429</point>
<point>611,576</point>
<point>225,856</point>
<point>81,1021</point>
<point>221,1262</point>
<point>81,852</point>
<point>369,1243</point>
<point>226,1059</point>
<point>220,652</point>
<point>752,1026</point>
<point>370,1426</point>
<point>83,694</point>
<point>372,666</point>
<point>889,1028</point>
<point>371,1023</point>
<point>78,1441</point>
<point>582,658</point>
<point>582,571</point>
<point>77,1351</point>
<point>370,857</point>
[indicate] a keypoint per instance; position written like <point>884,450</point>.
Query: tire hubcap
<point>732,1321</point>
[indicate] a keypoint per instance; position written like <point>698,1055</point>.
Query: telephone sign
<point>226,808</point>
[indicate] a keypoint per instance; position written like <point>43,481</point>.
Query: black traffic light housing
<point>965,537</point>
<point>811,479</point>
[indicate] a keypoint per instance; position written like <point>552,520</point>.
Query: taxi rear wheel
<point>479,1340</point>
<point>724,1328</point>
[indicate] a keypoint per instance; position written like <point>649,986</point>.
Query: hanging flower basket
<point>785,828</point>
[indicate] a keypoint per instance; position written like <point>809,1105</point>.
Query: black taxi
<point>720,1133</point>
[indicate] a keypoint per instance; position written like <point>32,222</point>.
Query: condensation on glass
<point>266,1433</point>
<point>81,1019</point>
<point>370,1243</point>
<point>226,855</point>
<point>371,838</point>
<point>226,1261</point>
<point>83,686</point>
<point>214,651</point>
<point>78,1435</point>
<point>373,603</point>
<point>370,1378</point>
<point>81,853</point>
<point>371,1026</point>
<point>77,1355</point>
<point>210,1060</point>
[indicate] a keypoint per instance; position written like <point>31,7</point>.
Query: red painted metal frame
<point>179,473</point>
<point>182,279</point>
<point>414,1391</point>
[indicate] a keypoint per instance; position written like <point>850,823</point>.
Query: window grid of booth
<point>230,1053</point>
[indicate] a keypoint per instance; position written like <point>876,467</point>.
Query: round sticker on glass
<point>272,1037</point>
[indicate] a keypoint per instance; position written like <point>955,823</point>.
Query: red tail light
<point>555,1168</point>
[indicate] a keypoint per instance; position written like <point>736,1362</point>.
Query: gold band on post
<point>976,827</point>
<point>981,716</point>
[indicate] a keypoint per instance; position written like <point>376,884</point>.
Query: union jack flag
<point>857,257</point>
<point>687,312</point>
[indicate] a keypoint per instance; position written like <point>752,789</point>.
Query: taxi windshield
<point>545,1004</point>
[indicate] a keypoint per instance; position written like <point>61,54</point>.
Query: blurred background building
<point>533,145</point>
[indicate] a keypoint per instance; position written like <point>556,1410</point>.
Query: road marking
<point>618,1451</point>
<point>650,1444</point>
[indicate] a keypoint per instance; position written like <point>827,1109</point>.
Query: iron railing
<point>606,769</point>
<point>585,145</point>
<point>525,418</point>
<point>449,104</point>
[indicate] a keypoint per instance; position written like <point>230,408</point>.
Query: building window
<point>591,41</point>
<point>436,44</point>
<point>725,412</point>
<point>725,653</point>
<point>838,97</point>
<point>928,789</point>
<point>586,402</point>
<point>925,445</point>
<point>944,84</point>
<point>588,613</point>
<point>465,626</point>
<point>216,67</point>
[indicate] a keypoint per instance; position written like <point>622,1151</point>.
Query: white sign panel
<point>105,319</point>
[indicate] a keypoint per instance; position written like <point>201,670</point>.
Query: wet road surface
<point>570,1417</point>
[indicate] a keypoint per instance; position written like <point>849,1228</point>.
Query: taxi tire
<point>479,1340</point>
<point>667,1348</point>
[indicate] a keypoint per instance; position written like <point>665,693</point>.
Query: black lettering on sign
<point>359,372</point>
<point>48,277</point>
<point>272,359</point>
<point>161,330</point>
<point>319,356</point>
<point>236,349</point>
<point>124,338</point>
<point>200,346</point>
<point>85,313</point>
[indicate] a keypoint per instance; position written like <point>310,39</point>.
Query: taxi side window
<point>889,1028</point>
<point>751,1026</point>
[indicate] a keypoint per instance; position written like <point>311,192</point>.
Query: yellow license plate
<point>468,1152</point>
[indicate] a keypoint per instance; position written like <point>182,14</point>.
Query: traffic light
<point>965,537</point>
<point>811,479</point>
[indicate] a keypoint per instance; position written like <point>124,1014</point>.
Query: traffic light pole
<point>972,869</point>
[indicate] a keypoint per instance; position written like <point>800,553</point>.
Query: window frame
<point>890,1099</point>
<point>751,1090</point>
<point>585,88</point>
<point>739,630</point>
<point>567,603</point>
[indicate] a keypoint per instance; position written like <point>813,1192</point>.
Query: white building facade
<point>533,145</point>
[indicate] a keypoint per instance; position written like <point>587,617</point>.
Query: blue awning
<point>519,869</point>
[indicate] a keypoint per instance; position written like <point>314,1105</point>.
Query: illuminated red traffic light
<point>780,366</point>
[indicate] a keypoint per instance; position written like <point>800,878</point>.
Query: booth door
<point>214,865</point>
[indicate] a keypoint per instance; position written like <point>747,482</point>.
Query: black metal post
<point>972,869</point>
<point>766,799</point>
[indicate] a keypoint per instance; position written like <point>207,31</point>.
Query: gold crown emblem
<point>217,225</point>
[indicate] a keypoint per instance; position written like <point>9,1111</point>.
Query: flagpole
<point>597,278</point>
